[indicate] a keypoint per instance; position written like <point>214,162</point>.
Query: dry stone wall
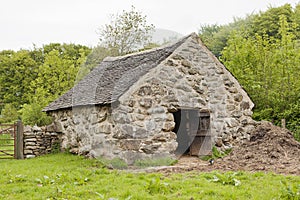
<point>39,141</point>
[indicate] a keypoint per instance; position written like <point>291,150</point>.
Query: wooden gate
<point>11,141</point>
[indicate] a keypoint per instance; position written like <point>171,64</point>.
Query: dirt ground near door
<point>270,149</point>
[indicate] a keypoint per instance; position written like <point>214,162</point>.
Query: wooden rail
<point>12,145</point>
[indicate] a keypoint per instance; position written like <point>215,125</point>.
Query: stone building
<point>162,102</point>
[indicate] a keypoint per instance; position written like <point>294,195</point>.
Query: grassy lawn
<point>65,176</point>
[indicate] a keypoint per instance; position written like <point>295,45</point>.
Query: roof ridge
<point>138,53</point>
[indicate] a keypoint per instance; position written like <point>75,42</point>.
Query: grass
<point>6,145</point>
<point>65,176</point>
<point>155,162</point>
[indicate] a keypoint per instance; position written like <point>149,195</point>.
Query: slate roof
<point>112,78</point>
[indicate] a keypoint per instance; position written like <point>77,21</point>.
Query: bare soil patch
<point>270,148</point>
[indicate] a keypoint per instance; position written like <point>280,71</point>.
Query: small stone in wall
<point>105,128</point>
<point>193,71</point>
<point>238,97</point>
<point>27,129</point>
<point>171,63</point>
<point>150,125</point>
<point>231,122</point>
<point>156,110</point>
<point>168,126</point>
<point>146,102</point>
<point>138,117</point>
<point>145,90</point>
<point>177,57</point>
<point>120,117</point>
<point>28,151</point>
<point>131,102</point>
<point>183,87</point>
<point>168,147</point>
<point>30,144</point>
<point>236,114</point>
<point>230,107</point>
<point>229,83</point>
<point>245,105</point>
<point>186,63</point>
<point>130,144</point>
<point>36,129</point>
<point>31,139</point>
<point>149,148</point>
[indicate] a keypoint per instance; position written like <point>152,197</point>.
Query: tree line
<point>263,52</point>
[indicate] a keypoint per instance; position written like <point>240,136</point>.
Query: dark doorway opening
<point>192,130</point>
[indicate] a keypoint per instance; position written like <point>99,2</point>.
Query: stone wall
<point>140,125</point>
<point>39,141</point>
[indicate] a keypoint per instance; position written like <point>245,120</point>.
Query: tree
<point>17,70</point>
<point>126,32</point>
<point>268,67</point>
<point>9,114</point>
<point>267,22</point>
<point>58,72</point>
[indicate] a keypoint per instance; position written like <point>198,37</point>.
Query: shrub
<point>217,154</point>
<point>32,115</point>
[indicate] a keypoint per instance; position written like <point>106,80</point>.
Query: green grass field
<point>65,176</point>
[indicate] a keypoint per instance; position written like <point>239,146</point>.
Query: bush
<point>32,115</point>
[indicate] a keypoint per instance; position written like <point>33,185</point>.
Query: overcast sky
<point>27,22</point>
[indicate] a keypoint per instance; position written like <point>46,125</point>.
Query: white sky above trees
<point>24,23</point>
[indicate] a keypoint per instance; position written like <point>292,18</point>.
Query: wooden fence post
<point>20,140</point>
<point>283,123</point>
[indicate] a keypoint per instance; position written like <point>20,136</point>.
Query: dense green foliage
<point>216,36</point>
<point>30,79</point>
<point>263,53</point>
<point>65,176</point>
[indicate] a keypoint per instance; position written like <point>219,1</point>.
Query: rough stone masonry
<point>139,124</point>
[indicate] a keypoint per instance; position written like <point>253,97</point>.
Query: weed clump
<point>115,163</point>
<point>155,162</point>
